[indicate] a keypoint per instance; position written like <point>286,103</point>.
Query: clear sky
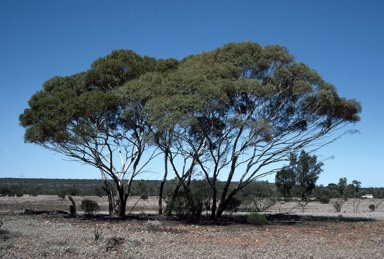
<point>342,40</point>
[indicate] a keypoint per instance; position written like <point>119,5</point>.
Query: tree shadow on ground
<point>273,219</point>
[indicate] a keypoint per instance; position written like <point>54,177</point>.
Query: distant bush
<point>153,225</point>
<point>97,191</point>
<point>186,206</point>
<point>89,206</point>
<point>73,191</point>
<point>19,193</point>
<point>372,207</point>
<point>233,204</point>
<point>257,219</point>
<point>324,199</point>
<point>338,204</point>
<point>5,191</point>
<point>62,194</point>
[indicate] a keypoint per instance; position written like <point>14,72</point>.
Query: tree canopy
<point>231,111</point>
<point>303,172</point>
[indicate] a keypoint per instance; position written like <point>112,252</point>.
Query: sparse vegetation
<point>257,219</point>
<point>153,225</point>
<point>338,204</point>
<point>97,233</point>
<point>324,199</point>
<point>89,206</point>
<point>301,175</point>
<point>137,236</point>
<point>4,233</point>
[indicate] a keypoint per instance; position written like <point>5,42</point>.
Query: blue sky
<point>342,40</point>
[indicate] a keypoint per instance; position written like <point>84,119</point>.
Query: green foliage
<point>321,191</point>
<point>199,198</point>
<point>89,206</point>
<point>141,188</point>
<point>62,187</point>
<point>5,191</point>
<point>185,205</point>
<point>344,190</point>
<point>14,190</point>
<point>196,109</point>
<point>154,225</point>
<point>302,173</point>
<point>372,207</point>
<point>19,193</point>
<point>97,191</point>
<point>285,181</point>
<point>233,204</point>
<point>324,199</point>
<point>259,195</point>
<point>73,191</point>
<point>288,199</point>
<point>257,219</point>
<point>62,194</point>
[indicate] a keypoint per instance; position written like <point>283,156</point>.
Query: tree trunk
<point>222,207</point>
<point>214,199</point>
<point>224,199</point>
<point>107,187</point>
<point>122,203</point>
<point>213,209</point>
<point>160,202</point>
<point>162,184</point>
<point>72,208</point>
<point>174,196</point>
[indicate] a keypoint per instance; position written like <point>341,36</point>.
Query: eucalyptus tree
<point>146,89</point>
<point>285,180</point>
<point>86,118</point>
<point>169,112</point>
<point>240,109</point>
<point>303,171</point>
<point>231,114</point>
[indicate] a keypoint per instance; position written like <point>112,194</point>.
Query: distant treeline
<point>93,187</point>
<point>62,187</point>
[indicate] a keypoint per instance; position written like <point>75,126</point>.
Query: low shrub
<point>5,234</point>
<point>154,225</point>
<point>257,219</point>
<point>324,199</point>
<point>338,204</point>
<point>372,207</point>
<point>186,206</point>
<point>97,233</point>
<point>89,206</point>
<point>233,204</point>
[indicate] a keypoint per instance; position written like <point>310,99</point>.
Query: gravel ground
<point>54,236</point>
